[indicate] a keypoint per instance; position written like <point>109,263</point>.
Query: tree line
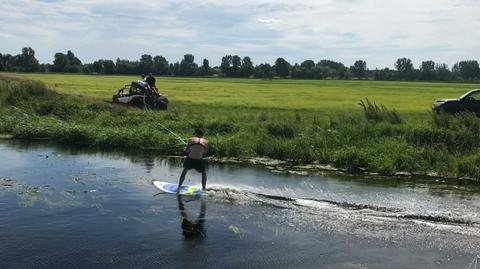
<point>235,66</point>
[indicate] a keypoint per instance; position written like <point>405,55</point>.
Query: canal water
<point>71,208</point>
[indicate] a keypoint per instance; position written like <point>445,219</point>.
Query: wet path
<point>65,208</point>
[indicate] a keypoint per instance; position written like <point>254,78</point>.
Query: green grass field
<point>324,96</point>
<point>300,121</point>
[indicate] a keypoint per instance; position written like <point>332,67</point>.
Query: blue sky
<point>378,31</point>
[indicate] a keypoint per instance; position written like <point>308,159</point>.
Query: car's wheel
<point>137,102</point>
<point>162,105</point>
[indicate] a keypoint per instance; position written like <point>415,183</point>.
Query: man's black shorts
<point>198,165</point>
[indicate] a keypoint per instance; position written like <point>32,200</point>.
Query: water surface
<point>71,208</point>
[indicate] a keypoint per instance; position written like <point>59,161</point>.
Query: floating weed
<point>54,202</point>
<point>237,230</point>
<point>6,183</point>
<point>153,210</point>
<point>124,218</point>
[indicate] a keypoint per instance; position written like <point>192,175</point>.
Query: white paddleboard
<point>172,188</point>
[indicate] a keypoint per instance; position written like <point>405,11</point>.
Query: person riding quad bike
<point>151,81</point>
<point>142,93</point>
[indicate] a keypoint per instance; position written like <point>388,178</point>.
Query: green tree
<point>226,65</point>
<point>308,64</point>
<point>306,69</point>
<point>44,68</point>
<point>295,70</point>
<point>145,65</point>
<point>442,72</point>
<point>66,63</point>
<point>330,64</point>
<point>103,67</point>
<point>175,69</point>
<point>467,70</point>
<point>282,67</point>
<point>264,71</point>
<point>405,69</point>
<point>342,71</point>
<point>26,61</point>
<point>74,64</point>
<point>60,62</point>
<point>205,69</point>
<point>384,74</point>
<point>359,69</point>
<point>97,66</point>
<point>160,65</point>
<point>126,67</point>
<point>236,62</point>
<point>334,69</point>
<point>427,70</point>
<point>72,60</point>
<point>108,67</point>
<point>187,65</point>
<point>2,67</point>
<point>246,69</point>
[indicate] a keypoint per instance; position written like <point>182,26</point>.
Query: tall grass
<point>16,91</point>
<point>379,113</point>
<point>379,140</point>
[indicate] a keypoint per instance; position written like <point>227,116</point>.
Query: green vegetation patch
<point>327,97</point>
<point>372,137</point>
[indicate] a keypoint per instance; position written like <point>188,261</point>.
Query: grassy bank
<point>322,96</point>
<point>301,127</point>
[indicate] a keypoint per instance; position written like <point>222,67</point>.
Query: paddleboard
<point>172,188</point>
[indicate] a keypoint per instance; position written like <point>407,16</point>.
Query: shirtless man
<point>197,146</point>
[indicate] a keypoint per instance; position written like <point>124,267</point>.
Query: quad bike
<point>142,96</point>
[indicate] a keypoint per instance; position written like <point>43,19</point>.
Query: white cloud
<point>343,30</point>
<point>268,21</point>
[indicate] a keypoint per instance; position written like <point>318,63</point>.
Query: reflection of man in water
<point>193,229</point>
